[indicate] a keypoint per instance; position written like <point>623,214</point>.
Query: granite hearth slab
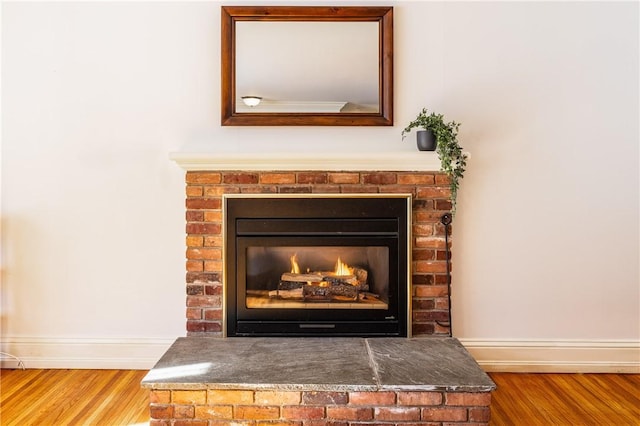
<point>318,364</point>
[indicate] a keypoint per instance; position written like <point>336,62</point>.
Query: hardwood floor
<point>73,397</point>
<point>566,399</point>
<point>114,397</point>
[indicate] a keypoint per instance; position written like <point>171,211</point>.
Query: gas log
<point>333,289</point>
<point>321,285</point>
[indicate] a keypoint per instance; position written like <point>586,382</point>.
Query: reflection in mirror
<point>338,76</point>
<point>307,65</point>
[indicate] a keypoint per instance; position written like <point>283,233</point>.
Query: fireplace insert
<point>316,265</point>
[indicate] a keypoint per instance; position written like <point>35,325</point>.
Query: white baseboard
<point>556,356</point>
<point>83,353</point>
<point>535,356</point>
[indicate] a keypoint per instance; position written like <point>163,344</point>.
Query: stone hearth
<point>318,381</point>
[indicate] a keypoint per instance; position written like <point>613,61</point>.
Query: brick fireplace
<point>428,379</point>
<point>204,191</point>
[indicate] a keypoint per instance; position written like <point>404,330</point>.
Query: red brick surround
<point>315,408</point>
<point>204,192</point>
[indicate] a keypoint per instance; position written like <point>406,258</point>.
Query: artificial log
<point>358,279</point>
<point>306,278</point>
<point>330,291</point>
<point>287,294</point>
<point>321,285</point>
<point>315,291</point>
<point>361,275</point>
<point>290,285</point>
<point>337,280</point>
<point>311,292</point>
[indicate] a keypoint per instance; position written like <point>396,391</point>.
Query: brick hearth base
<point>312,408</point>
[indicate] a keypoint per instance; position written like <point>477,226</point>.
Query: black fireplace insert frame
<point>379,220</point>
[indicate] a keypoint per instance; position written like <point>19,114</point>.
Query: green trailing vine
<point>452,160</point>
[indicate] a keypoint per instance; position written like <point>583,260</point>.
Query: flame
<point>295,269</point>
<point>342,269</point>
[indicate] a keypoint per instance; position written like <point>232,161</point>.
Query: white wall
<point>95,95</point>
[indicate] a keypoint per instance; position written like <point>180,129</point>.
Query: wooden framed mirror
<point>307,66</point>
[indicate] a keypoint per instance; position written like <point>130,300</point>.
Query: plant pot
<point>426,140</point>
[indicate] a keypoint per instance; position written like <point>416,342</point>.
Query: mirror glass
<point>301,65</point>
<point>336,76</point>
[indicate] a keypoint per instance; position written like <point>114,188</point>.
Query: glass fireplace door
<point>316,277</point>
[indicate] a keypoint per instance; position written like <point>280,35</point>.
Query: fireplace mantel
<point>327,161</point>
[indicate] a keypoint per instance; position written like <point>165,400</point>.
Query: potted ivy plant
<point>445,134</point>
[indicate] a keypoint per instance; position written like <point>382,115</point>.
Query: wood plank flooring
<point>73,397</point>
<point>566,399</point>
<point>114,397</point>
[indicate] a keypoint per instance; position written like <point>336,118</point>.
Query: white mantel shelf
<point>378,161</point>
